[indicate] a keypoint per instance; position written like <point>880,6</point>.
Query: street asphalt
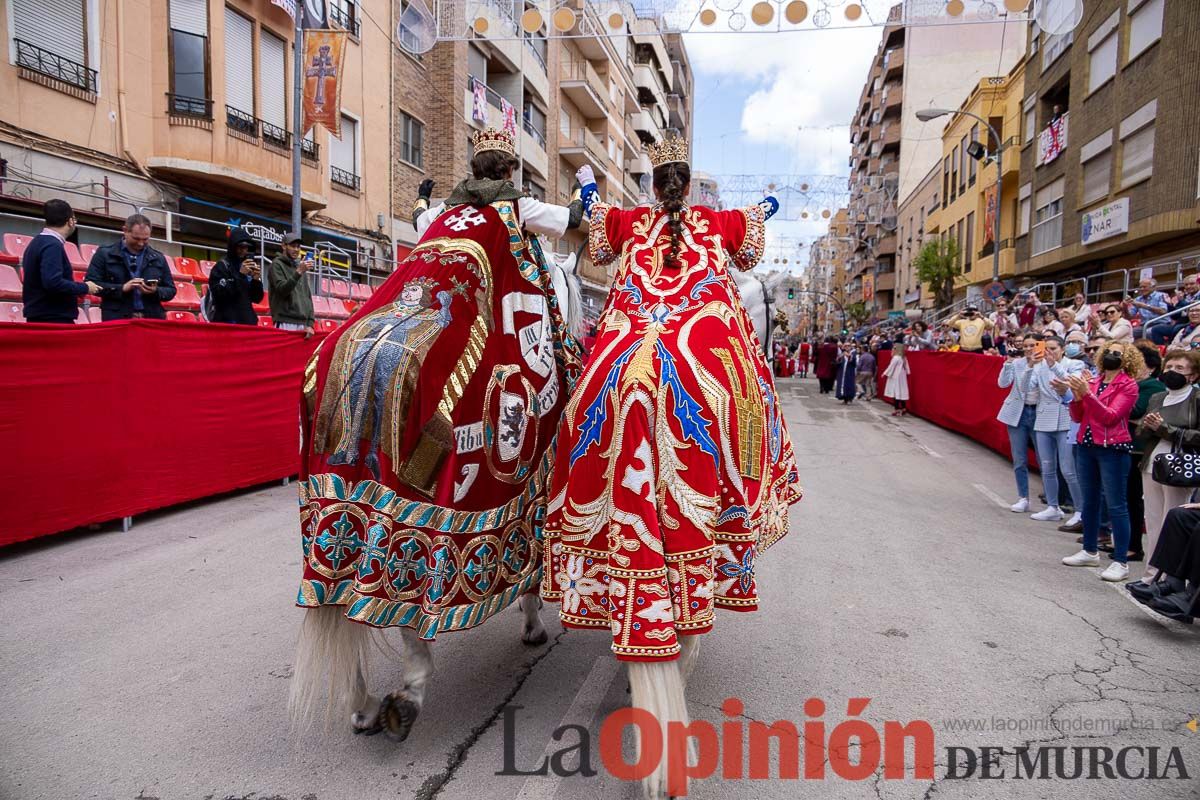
<point>156,663</point>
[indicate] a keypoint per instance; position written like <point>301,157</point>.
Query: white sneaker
<point>1116,572</point>
<point>1021,506</point>
<point>1049,514</point>
<point>1075,519</point>
<point>1083,559</point>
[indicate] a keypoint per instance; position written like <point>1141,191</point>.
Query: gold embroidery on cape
<point>749,410</point>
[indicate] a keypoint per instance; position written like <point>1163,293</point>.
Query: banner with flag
<point>989,220</point>
<point>323,53</point>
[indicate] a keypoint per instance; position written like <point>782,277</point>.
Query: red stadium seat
<point>177,274</point>
<point>326,326</point>
<point>15,244</point>
<point>206,268</point>
<point>264,307</point>
<point>350,305</point>
<point>333,309</point>
<point>186,298</point>
<point>191,268</point>
<point>360,291</point>
<point>10,283</point>
<point>11,312</point>
<point>87,251</point>
<point>341,290</point>
<point>266,322</point>
<point>181,316</point>
<point>78,263</point>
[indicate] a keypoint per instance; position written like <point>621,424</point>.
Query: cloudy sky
<point>778,104</point>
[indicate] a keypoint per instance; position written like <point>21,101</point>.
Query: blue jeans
<point>1020,439</point>
<point>1104,479</point>
<point>1054,451</point>
<point>1164,332</point>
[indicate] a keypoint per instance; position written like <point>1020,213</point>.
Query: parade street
<point>156,663</point>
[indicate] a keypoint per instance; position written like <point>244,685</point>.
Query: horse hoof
<point>396,715</point>
<point>535,638</point>
<point>363,725</point>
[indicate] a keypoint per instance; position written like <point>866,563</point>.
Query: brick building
<point>1109,165</point>
<point>912,216</point>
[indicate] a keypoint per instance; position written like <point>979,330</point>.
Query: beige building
<point>912,216</point>
<point>185,107</point>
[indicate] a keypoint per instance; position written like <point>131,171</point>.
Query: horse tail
<point>331,654</point>
<point>573,318</point>
<point>657,687</point>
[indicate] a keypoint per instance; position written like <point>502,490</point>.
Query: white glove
<point>585,176</point>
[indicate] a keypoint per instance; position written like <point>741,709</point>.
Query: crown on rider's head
<point>672,150</point>
<point>492,139</point>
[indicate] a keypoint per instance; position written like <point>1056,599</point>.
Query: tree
<point>857,312</point>
<point>937,265</point>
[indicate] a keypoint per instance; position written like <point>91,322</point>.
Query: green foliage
<point>937,265</point>
<point>857,312</point>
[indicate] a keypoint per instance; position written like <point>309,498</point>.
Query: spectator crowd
<point>1105,396</point>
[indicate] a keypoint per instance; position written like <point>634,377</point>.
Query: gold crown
<point>492,139</point>
<point>672,151</point>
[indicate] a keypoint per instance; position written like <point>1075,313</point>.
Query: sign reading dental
<point>1111,219</point>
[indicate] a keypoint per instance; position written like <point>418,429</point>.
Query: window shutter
<point>190,16</point>
<point>1138,156</point>
<point>342,151</point>
<point>239,62</point>
<point>272,80</point>
<point>54,25</point>
<point>1096,176</point>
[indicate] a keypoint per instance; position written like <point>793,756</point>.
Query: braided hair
<point>671,182</point>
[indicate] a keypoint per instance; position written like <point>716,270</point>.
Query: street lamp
<point>928,114</point>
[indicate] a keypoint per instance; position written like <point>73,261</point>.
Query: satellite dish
<point>1057,17</point>
<point>416,32</point>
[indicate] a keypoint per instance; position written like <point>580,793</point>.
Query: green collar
<point>482,192</point>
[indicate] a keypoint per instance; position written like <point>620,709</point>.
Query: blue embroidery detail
<point>744,571</point>
<point>685,408</point>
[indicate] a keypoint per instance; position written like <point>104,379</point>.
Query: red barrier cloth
<point>99,422</point>
<point>957,391</point>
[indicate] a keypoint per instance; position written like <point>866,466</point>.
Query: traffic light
<point>791,294</point>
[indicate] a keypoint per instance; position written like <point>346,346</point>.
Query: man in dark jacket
<point>49,291</point>
<point>236,283</point>
<point>134,278</point>
<point>291,296</point>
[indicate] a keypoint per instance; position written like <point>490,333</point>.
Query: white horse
<point>333,646</point>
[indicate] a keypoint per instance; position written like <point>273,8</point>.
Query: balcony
<point>631,186</point>
<point>589,33</point>
<point>32,58</point>
<point>494,105</point>
<point>586,89</point>
<point>885,282</point>
<point>677,110</point>
<point>885,246</point>
<point>346,19</point>
<point>184,109</point>
<point>240,124</point>
<point>595,147</point>
<point>639,165</point>
<point>648,86</point>
<point>310,152</point>
<point>893,94</point>
<point>572,147</point>
<point>533,149</point>
<point>891,137</point>
<point>1052,141</point>
<point>344,179</point>
<point>893,64</point>
<point>275,137</point>
<point>643,122</point>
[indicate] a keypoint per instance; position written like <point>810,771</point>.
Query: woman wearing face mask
<point>1052,427</point>
<point>1102,407</point>
<point>1172,419</point>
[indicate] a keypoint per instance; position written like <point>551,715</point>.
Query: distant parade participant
<point>428,425</point>
<point>825,364</point>
<point>675,471</point>
<point>846,386</point>
<point>803,355</point>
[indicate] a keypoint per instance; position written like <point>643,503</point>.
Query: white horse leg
<point>330,650</point>
<point>398,710</point>
<point>689,652</point>
<point>658,688</point>
<point>534,632</point>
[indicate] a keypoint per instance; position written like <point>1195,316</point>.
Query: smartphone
<point>151,282</point>
<point>1039,349</point>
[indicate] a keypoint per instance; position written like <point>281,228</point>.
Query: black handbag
<point>1178,467</point>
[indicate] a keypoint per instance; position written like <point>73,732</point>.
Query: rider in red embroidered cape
<point>429,417</point>
<point>674,469</point>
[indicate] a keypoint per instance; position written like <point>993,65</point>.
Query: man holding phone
<point>971,328</point>
<point>133,277</point>
<point>290,294</point>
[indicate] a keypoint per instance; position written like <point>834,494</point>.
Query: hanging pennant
<point>510,117</point>
<point>479,110</point>
<point>323,52</point>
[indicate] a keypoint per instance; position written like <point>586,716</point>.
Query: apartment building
<point>1110,147</point>
<point>968,190</point>
<point>185,107</point>
<point>827,277</point>
<point>915,67</point>
<point>914,212</point>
